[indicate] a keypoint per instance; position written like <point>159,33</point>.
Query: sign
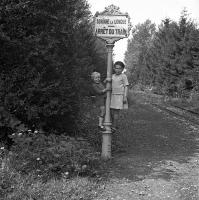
<point>112,25</point>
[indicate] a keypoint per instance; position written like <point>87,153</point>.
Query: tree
<point>171,55</point>
<point>166,58</point>
<point>135,56</point>
<point>47,47</point>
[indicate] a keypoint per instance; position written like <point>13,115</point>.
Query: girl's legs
<point>101,116</point>
<point>114,117</point>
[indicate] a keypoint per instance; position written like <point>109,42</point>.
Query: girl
<point>119,92</point>
<point>100,93</point>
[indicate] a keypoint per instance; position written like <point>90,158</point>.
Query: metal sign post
<point>106,136</point>
<point>111,25</point>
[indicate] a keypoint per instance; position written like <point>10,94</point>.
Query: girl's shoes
<point>113,129</point>
<point>101,128</point>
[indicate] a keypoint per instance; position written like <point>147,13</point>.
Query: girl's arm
<point>126,89</point>
<point>126,84</point>
<point>125,94</point>
<point>99,91</point>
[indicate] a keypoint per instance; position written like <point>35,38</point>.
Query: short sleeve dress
<point>119,82</point>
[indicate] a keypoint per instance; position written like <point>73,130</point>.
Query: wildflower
<point>84,167</point>
<point>66,173</point>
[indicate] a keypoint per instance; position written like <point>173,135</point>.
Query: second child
<point>119,92</point>
<point>100,93</point>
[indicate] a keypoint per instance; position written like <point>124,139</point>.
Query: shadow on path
<point>158,145</point>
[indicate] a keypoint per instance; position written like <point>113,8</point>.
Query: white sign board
<point>111,26</point>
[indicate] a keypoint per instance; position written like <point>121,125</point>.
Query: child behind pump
<point>119,92</point>
<point>100,93</point>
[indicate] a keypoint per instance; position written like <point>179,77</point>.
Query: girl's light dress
<point>117,96</point>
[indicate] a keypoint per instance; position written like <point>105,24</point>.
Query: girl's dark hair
<point>119,63</point>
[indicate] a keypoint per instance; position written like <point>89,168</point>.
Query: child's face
<point>96,79</point>
<point>118,69</point>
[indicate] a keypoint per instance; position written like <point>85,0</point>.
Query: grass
<point>17,186</point>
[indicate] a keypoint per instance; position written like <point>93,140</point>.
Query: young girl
<point>119,92</point>
<point>100,92</point>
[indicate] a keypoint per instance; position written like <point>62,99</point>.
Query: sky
<point>141,10</point>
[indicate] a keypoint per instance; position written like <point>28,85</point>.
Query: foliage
<point>136,54</point>
<point>47,53</point>
<point>170,59</point>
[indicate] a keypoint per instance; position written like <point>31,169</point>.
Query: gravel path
<point>161,159</point>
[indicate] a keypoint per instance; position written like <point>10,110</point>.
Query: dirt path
<point>162,158</point>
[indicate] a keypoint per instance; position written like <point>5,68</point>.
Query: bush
<point>52,155</point>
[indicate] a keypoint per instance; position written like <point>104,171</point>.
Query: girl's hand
<point>107,80</point>
<point>108,89</point>
<point>105,90</point>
